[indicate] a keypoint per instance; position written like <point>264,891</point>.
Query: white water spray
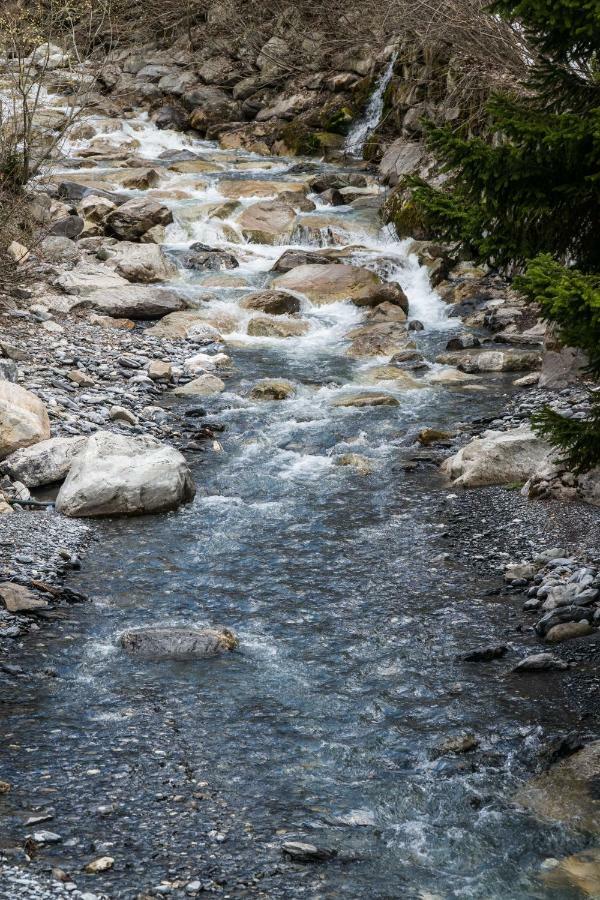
<point>360,131</point>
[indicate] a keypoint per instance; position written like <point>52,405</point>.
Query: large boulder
<point>177,642</point>
<point>291,259</point>
<point>275,303</point>
<point>497,457</point>
<point>23,419</point>
<point>143,263</point>
<point>43,463</point>
<point>137,301</point>
<point>336,281</point>
<point>116,474</point>
<point>87,278</point>
<point>401,158</point>
<point>380,339</point>
<point>568,792</point>
<point>268,223</point>
<point>133,219</point>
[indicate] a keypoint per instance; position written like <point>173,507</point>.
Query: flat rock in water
<point>485,654</point>
<point>178,642</point>
<point>301,852</point>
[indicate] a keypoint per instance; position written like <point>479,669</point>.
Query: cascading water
<point>346,570</point>
<point>358,134</point>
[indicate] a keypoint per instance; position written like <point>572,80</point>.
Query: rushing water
<point>360,131</point>
<point>350,611</point>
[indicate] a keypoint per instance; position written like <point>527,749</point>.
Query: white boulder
<point>43,463</point>
<point>23,418</point>
<point>497,457</point>
<point>120,475</point>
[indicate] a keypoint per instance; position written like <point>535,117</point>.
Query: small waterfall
<point>358,134</point>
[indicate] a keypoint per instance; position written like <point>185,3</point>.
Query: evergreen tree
<point>525,195</point>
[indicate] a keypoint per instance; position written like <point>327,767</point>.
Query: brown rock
<point>261,326</point>
<point>18,599</point>
<point>275,303</point>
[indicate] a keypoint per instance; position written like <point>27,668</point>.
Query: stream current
<point>350,613</point>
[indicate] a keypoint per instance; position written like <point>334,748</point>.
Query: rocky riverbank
<point>163,334</point>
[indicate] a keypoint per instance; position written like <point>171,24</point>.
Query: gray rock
<point>44,463</point>
<point>170,642</point>
<point>120,475</point>
<point>540,662</point>
<point>307,853</point>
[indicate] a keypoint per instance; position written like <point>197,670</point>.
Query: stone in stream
<point>275,303</point>
<point>142,263</point>
<point>464,743</point>
<point>23,419</point>
<point>18,599</point>
<point>485,654</point>
<point>400,378</point>
<point>178,642</point>
<point>121,475</point>
<point>272,389</point>
<point>492,360</point>
<point>291,259</point>
<point>134,218</point>
<point>365,399</point>
<point>336,281</point>
<point>268,223</point>
<point>263,326</point>
<point>540,662</point>
<point>380,339</point>
<point>43,463</point>
<point>201,257</point>
<point>361,464</point>
<point>568,791</point>
<point>307,853</point>
<point>497,457</point>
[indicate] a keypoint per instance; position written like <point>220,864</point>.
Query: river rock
<point>263,326</point>
<point>203,386</point>
<point>497,457</point>
<point>361,464</point>
<point>176,325</point>
<point>116,474</point>
<point>450,376</point>
<point>201,362</point>
<point>137,301</point>
<point>400,378</point>
<point>143,263</point>
<point>18,599</point>
<point>87,278</point>
<point>268,223</point>
<point>275,303</point>
<point>379,339</point>
<point>302,852</point>
<point>566,631</point>
<point>365,399</point>
<point>43,463</point>
<point>335,281</point>
<point>23,419</point>
<point>134,218</point>
<point>272,389</point>
<point>291,259</point>
<point>568,792</point>
<point>172,642</point>
<point>540,662</point>
<point>492,361</point>
<point>579,872</point>
<point>201,257</point>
